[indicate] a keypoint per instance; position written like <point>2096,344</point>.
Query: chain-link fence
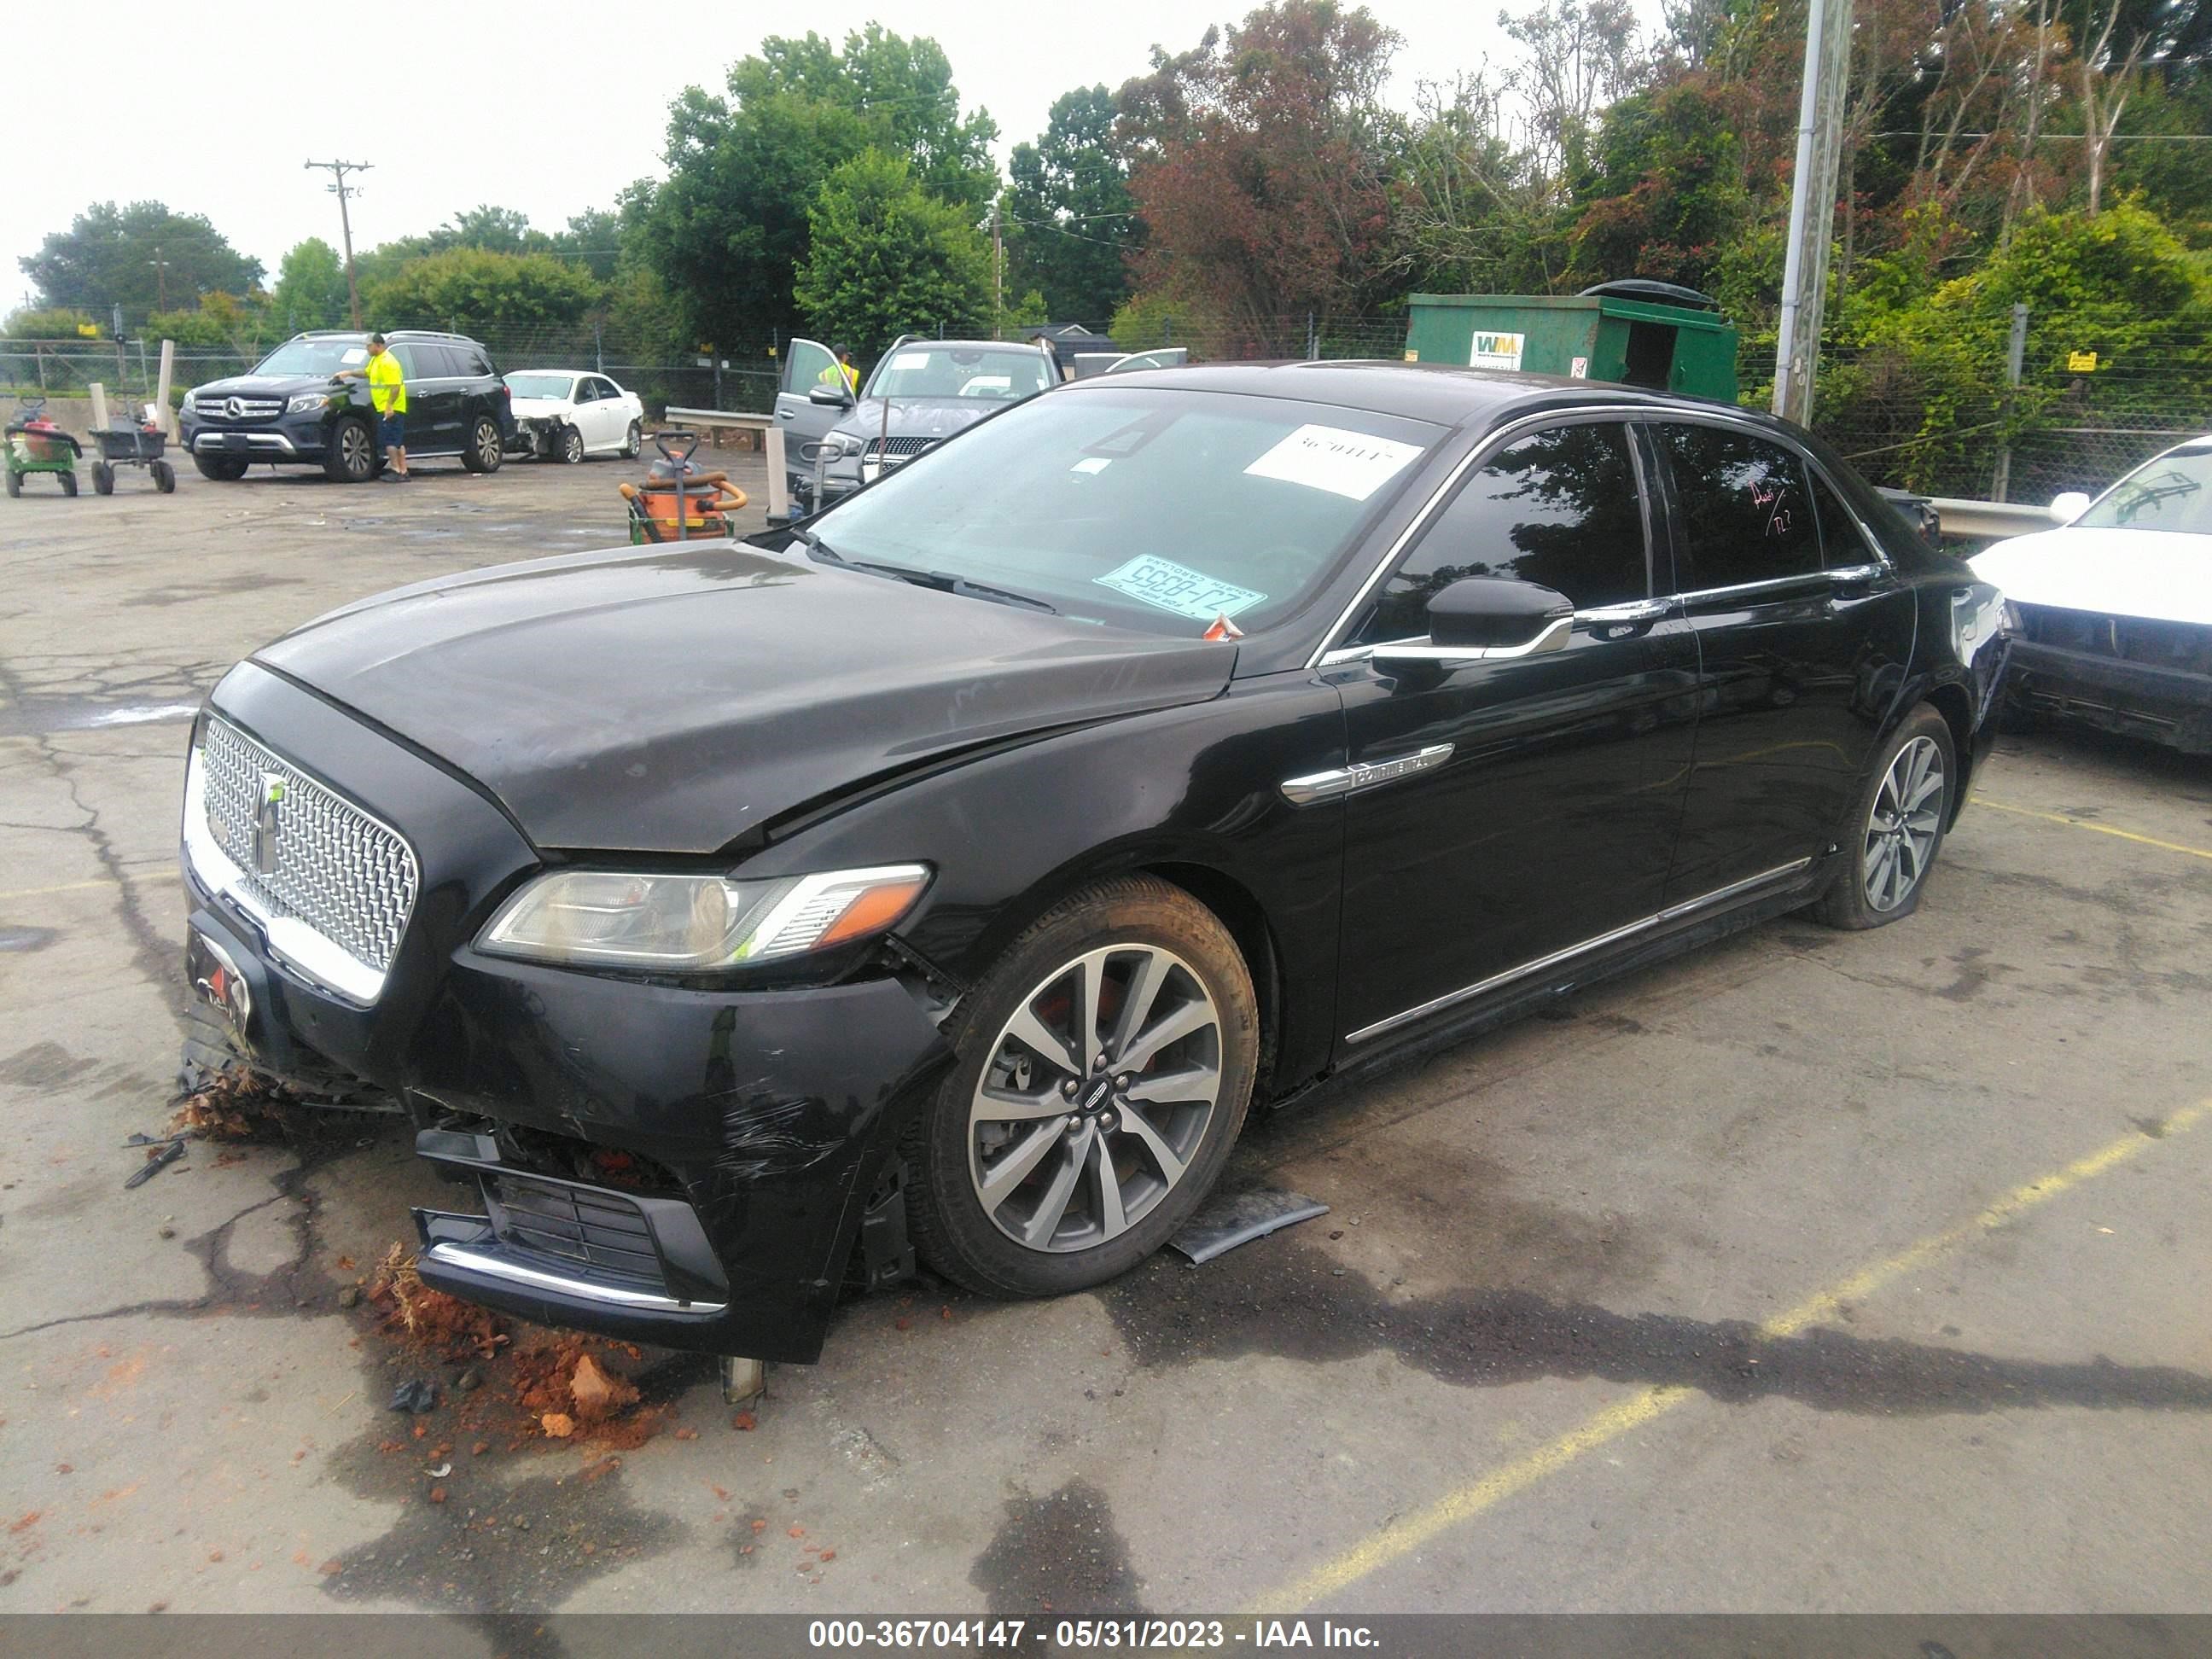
<point>1941,416</point>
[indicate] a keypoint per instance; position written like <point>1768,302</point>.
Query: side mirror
<point>836,396</point>
<point>1480,618</point>
<point>2065,508</point>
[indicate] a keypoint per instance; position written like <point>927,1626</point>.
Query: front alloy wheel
<point>353,457</point>
<point>571,445</point>
<point>1105,1068</point>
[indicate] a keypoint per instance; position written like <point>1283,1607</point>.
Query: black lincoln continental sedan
<point>953,871</point>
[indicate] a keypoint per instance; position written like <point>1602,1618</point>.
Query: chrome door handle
<point>1362,774</point>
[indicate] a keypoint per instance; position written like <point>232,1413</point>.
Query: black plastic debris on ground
<point>1235,1218</point>
<point>417,1394</point>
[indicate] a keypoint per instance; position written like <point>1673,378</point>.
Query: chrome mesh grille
<point>350,878</point>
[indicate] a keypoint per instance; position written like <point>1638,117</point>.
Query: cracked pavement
<point>1524,1230</point>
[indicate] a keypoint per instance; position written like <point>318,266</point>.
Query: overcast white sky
<point>545,106</point>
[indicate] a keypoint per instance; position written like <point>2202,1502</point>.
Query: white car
<point>2111,615</point>
<point>568,413</point>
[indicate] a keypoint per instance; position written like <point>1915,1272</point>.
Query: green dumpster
<point>1637,333</point>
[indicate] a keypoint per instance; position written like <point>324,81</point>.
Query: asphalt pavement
<point>1817,1272</point>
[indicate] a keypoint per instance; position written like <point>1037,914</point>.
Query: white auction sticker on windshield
<point>1176,587</point>
<point>907,359</point>
<point>1330,458</point>
<point>355,354</point>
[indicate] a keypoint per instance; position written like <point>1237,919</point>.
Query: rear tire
<point>223,469</point>
<point>15,483</point>
<point>1018,1163</point>
<point>352,455</point>
<point>69,483</point>
<point>1897,830</point>
<point>165,476</point>
<point>486,449</point>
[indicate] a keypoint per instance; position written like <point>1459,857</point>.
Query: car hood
<point>2161,574</point>
<point>265,386</point>
<point>672,700</point>
<point>914,417</point>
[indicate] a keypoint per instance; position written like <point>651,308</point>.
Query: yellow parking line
<point>1401,1537</point>
<point>80,886</point>
<point>2102,829</point>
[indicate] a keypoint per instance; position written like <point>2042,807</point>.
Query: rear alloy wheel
<point>487,449</point>
<point>223,469</point>
<point>1901,820</point>
<point>352,457</point>
<point>1105,1067</point>
<point>571,445</point>
<point>633,441</point>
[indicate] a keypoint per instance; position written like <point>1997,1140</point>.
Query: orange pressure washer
<point>680,502</point>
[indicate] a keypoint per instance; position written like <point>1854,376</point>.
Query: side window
<point>1558,508</point>
<point>809,362</point>
<point>1747,515</point>
<point>1843,545</point>
<point>473,361</point>
<point>606,389</point>
<point>587,389</point>
<point>415,361</point>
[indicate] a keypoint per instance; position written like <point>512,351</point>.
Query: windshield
<point>2173,492</point>
<point>1157,509</point>
<point>553,387</point>
<point>323,356</point>
<point>949,371</point>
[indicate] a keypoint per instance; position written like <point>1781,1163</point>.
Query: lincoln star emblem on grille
<point>232,408</point>
<point>265,823</point>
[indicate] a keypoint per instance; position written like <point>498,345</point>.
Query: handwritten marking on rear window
<point>1177,588</point>
<point>1331,457</point>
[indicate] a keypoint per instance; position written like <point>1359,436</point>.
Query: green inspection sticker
<point>1176,587</point>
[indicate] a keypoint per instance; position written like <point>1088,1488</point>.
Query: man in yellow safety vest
<point>387,391</point>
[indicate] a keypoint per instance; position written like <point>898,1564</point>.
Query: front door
<point>1803,633</point>
<point>806,364</point>
<point>1538,810</point>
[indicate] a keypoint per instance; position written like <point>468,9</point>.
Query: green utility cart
<point>1635,332</point>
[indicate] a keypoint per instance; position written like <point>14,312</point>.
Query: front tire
<point>223,469</point>
<point>571,445</point>
<point>633,441</point>
<point>1105,1065</point>
<point>352,455</point>
<point>103,478</point>
<point>487,449</point>
<point>69,483</point>
<point>165,476</point>
<point>1898,829</point>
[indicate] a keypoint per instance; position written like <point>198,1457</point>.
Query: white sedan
<point>2111,615</point>
<point>566,415</point>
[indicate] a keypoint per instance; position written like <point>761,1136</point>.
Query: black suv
<point>293,410</point>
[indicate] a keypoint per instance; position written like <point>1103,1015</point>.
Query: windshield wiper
<point>943,580</point>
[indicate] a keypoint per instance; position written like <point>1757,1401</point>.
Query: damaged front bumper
<point>2166,704</point>
<point>656,1162</point>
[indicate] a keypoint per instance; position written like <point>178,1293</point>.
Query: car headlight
<point>2009,620</point>
<point>191,404</point>
<point>690,924</point>
<point>306,401</point>
<point>835,446</point>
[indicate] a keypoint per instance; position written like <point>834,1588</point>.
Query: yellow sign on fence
<point>2080,362</point>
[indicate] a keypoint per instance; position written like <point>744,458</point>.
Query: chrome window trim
<point>1658,918</point>
<point>450,1254</point>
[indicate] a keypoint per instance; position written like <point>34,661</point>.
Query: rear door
<point>1521,808</point>
<point>1804,634</point>
<point>804,423</point>
<point>433,397</point>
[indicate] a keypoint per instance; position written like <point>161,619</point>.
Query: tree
<point>594,239</point>
<point>53,322</point>
<point>1070,223</point>
<point>1579,56</point>
<point>728,227</point>
<point>1261,166</point>
<point>886,257</point>
<point>134,257</point>
<point>310,288</point>
<point>467,288</point>
<point>1666,198</point>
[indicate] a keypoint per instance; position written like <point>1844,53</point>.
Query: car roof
<point>1443,394</point>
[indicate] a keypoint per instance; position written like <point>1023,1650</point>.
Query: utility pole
<point>2015,357</point>
<point>339,188</point>
<point>1812,205</point>
<point>161,279</point>
<point>998,275</point>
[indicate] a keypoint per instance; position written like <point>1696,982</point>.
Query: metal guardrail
<point>1988,521</point>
